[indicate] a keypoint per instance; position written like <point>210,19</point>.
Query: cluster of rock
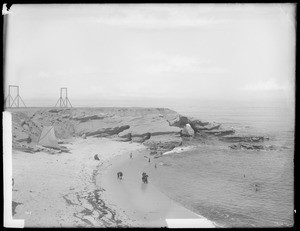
<point>249,146</point>
<point>244,138</point>
<point>247,142</point>
<point>85,118</point>
<point>191,126</point>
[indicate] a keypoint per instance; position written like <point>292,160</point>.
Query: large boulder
<point>187,131</point>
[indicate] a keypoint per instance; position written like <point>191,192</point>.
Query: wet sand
<point>143,203</point>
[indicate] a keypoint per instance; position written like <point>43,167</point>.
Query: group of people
<point>144,175</point>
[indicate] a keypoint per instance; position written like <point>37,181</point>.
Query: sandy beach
<point>58,190</point>
<point>75,190</point>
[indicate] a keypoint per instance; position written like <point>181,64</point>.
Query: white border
<point>9,222</point>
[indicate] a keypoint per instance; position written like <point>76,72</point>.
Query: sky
<point>188,51</point>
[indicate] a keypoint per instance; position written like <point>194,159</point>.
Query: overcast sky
<point>195,51</point>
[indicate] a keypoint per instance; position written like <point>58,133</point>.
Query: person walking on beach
<point>155,165</point>
<point>120,175</point>
<point>130,155</point>
<point>149,160</point>
<point>145,178</point>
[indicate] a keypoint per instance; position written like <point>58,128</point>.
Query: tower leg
<point>18,97</point>
<point>9,96</point>
<point>69,102</point>
<point>57,102</point>
<point>14,102</point>
<point>22,101</point>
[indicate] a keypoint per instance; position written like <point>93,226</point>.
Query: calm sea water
<point>236,188</point>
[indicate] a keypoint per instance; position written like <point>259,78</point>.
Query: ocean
<point>236,188</point>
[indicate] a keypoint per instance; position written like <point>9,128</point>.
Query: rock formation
<point>187,131</point>
<point>160,129</point>
<point>243,138</point>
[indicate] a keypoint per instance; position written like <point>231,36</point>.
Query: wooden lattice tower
<point>63,102</point>
<point>11,101</point>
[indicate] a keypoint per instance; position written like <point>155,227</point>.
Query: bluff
<point>160,129</point>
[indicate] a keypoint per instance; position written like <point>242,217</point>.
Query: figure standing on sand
<point>149,160</point>
<point>155,165</point>
<point>120,175</point>
<point>130,155</point>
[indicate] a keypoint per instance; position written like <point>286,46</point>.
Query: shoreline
<point>143,204</point>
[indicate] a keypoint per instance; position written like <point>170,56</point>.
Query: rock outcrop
<point>89,117</point>
<point>162,143</point>
<point>251,146</point>
<point>160,129</point>
<point>243,138</point>
<point>55,110</point>
<point>198,126</point>
<point>140,138</point>
<point>103,132</point>
<point>220,132</point>
<point>179,121</point>
<point>208,127</point>
<point>187,131</point>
